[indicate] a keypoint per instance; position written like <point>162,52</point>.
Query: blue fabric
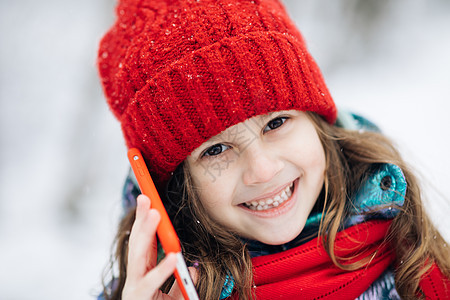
<point>382,288</point>
<point>130,192</point>
<point>382,195</point>
<point>228,287</point>
<point>111,286</point>
<point>353,121</point>
<point>364,123</point>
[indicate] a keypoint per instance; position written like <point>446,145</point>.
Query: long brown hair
<point>350,155</point>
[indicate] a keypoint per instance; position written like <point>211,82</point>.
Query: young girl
<point>273,193</point>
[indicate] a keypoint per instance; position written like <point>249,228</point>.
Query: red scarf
<point>307,272</point>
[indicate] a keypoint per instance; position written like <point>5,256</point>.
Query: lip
<point>275,211</point>
<point>271,194</point>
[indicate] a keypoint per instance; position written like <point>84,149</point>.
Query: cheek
<point>216,204</point>
<point>310,155</point>
<point>209,197</point>
<point>317,163</point>
<point>214,194</point>
<point>205,192</point>
<point>216,180</point>
<point>318,159</point>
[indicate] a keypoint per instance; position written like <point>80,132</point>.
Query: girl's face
<point>261,178</point>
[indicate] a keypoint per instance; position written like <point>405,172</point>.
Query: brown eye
<point>215,150</point>
<point>274,124</point>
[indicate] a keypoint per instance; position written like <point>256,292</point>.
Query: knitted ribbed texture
<point>307,271</point>
<point>176,73</point>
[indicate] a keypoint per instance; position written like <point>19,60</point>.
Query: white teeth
<point>271,202</point>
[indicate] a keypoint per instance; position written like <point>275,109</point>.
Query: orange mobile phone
<point>165,231</point>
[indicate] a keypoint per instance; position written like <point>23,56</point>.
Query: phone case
<point>165,231</point>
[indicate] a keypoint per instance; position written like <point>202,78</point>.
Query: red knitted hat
<point>176,73</point>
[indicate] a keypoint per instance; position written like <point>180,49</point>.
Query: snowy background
<point>63,161</point>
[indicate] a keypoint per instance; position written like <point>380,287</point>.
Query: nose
<point>260,165</point>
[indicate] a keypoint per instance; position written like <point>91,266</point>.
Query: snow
<point>63,160</point>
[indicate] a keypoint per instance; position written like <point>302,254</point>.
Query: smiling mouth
<point>268,203</point>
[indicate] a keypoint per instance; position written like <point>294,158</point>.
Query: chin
<point>279,240</point>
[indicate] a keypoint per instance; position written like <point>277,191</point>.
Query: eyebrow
<point>218,139</point>
<point>262,119</point>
